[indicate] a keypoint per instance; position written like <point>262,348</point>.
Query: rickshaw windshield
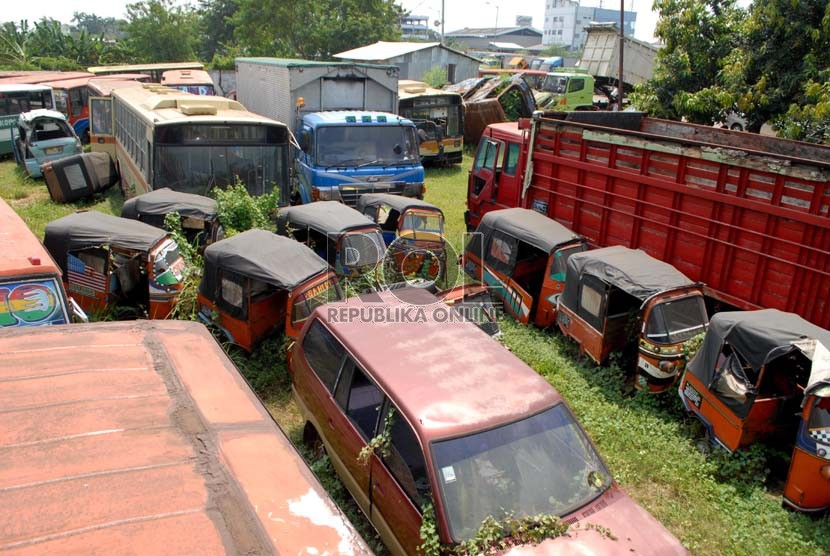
<point>314,296</point>
<point>361,249</point>
<point>540,465</point>
<point>168,265</point>
<point>820,414</point>
<point>676,320</point>
<point>422,221</point>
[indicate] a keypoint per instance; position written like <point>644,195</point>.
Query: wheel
<point>312,441</point>
<point>737,127</point>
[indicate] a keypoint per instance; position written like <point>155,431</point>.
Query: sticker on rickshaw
<point>692,395</point>
<point>822,438</point>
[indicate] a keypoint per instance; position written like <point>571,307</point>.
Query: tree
<point>161,31</point>
<point>46,46</point>
<point>699,38</point>
<point>314,29</point>
<point>779,64</point>
<point>217,27</point>
<point>95,25</point>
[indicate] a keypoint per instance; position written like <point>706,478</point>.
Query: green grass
<point>30,198</point>
<point>715,503</point>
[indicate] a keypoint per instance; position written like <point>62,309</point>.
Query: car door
<point>399,481</point>
<point>359,401</point>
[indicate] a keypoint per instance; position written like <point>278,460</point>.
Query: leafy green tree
<point>46,46</point>
<point>96,25</point>
<point>217,27</point>
<point>162,31</point>
<point>810,119</point>
<point>785,48</point>
<point>699,38</point>
<point>314,29</point>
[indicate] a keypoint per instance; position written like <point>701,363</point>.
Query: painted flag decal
<point>84,275</point>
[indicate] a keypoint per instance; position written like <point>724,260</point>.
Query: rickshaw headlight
<point>825,472</point>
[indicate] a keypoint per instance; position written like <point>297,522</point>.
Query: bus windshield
<point>370,145</point>
<point>197,158</point>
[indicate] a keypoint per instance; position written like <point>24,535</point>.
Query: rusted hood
<point>614,525</point>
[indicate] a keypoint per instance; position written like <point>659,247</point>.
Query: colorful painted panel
<point>32,303</point>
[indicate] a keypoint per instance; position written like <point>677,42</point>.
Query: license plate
<point>691,394</point>
<point>53,150</point>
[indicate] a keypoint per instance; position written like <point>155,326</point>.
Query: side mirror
<point>78,314</point>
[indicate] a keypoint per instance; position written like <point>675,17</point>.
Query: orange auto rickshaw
<point>257,283</point>
<point>199,214</point>
<point>520,255</point>
<point>620,299</point>
<point>108,261</point>
<point>412,229</point>
<point>765,376</point>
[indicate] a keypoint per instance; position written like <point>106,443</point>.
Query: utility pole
<point>622,48</point>
<point>442,22</point>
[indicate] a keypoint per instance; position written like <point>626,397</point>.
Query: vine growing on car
<point>187,306</point>
<point>380,444</point>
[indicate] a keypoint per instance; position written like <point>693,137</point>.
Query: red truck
<point>745,214</point>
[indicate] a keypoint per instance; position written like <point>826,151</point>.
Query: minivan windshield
<point>677,320</point>
<point>543,464</point>
<point>367,145</point>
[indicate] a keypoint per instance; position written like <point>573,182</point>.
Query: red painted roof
<point>142,438</point>
<point>20,250</point>
<point>448,378</point>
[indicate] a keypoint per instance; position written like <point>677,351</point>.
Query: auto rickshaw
<point>200,220</point>
<point>108,261</point>
<point>765,375</point>
<point>350,242</point>
<point>413,231</point>
<point>257,283</point>
<point>616,298</point>
<point>520,255</point>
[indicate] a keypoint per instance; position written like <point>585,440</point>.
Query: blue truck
<point>342,114</point>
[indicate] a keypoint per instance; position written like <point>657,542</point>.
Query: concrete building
<point>415,59</point>
<point>566,20</point>
<point>480,38</point>
<point>416,27</point>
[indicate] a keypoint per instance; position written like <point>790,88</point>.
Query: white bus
<point>190,143</point>
<point>15,99</point>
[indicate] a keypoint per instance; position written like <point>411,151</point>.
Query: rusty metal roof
<point>21,254</point>
<point>142,438</point>
<point>445,375</point>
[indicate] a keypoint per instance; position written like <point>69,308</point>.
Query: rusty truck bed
<point>142,438</point>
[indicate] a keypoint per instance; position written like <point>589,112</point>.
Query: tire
<point>737,127</point>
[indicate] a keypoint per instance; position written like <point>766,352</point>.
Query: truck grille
<point>350,193</point>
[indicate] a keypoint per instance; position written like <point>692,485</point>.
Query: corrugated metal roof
<point>507,45</point>
<point>297,63</point>
<point>489,31</point>
<point>383,50</point>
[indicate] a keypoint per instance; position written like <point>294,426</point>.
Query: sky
<point>458,13</point>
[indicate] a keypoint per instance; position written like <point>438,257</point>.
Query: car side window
<point>512,159</point>
<point>405,459</point>
<point>363,403</point>
<point>323,353</point>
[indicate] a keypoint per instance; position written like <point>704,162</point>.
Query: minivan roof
<point>141,437</point>
<point>447,378</point>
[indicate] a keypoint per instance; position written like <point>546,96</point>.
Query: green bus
<point>15,99</point>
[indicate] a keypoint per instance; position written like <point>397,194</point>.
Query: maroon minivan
<point>472,428</point>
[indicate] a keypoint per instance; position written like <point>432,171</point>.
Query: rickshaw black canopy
<point>631,270</point>
<point>92,229</point>
<point>164,201</point>
<point>328,217</point>
<point>260,255</point>
<point>529,226</point>
<point>397,202</point>
<point>758,336</point>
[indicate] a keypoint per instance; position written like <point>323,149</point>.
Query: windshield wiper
<point>372,163</point>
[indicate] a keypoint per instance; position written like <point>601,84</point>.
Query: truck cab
<point>344,154</point>
<point>495,180</point>
<point>567,89</point>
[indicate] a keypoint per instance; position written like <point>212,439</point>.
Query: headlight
<point>325,194</point>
